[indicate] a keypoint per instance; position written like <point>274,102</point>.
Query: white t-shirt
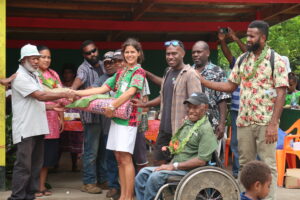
<point>29,114</point>
<point>146,89</point>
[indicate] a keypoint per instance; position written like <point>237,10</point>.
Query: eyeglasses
<point>90,52</point>
<point>174,43</point>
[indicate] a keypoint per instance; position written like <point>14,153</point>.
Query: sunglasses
<point>174,43</point>
<point>90,52</point>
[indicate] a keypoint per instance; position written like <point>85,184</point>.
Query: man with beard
<point>94,170</point>
<point>179,82</point>
<point>217,100</point>
<point>29,124</point>
<point>262,97</point>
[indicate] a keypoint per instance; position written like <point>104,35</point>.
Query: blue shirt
<point>243,197</point>
<point>235,96</point>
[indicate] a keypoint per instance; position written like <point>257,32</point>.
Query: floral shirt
<point>122,81</point>
<point>52,116</point>
<point>214,73</point>
<point>257,95</point>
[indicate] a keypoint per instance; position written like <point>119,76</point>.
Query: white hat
<point>29,50</point>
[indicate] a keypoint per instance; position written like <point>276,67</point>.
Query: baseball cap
<point>108,56</point>
<point>29,50</point>
<point>118,55</point>
<point>197,98</point>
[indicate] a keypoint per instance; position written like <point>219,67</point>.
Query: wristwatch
<point>175,165</point>
<point>111,107</point>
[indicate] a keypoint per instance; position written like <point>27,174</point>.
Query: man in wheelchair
<point>192,146</point>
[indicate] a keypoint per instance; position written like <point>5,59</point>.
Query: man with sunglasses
<point>217,111</point>
<point>88,73</point>
<point>179,82</point>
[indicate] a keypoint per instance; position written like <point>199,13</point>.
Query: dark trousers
<point>27,167</point>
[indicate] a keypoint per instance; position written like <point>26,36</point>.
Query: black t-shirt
<point>165,122</point>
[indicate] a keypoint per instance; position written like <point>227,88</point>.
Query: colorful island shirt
<point>257,95</point>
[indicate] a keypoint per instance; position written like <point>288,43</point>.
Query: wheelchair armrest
<point>174,178</point>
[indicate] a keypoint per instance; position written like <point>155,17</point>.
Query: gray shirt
<point>165,124</point>
<point>89,75</point>
<point>29,114</point>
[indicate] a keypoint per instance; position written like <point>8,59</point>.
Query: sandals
<point>43,193</point>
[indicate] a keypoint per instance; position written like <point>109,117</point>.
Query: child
<point>256,178</point>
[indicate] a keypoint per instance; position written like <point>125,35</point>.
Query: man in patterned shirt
<point>262,97</point>
<point>217,100</point>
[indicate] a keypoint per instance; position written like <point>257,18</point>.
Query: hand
<point>232,34</point>
<point>164,148</point>
<point>6,81</point>
<point>221,36</point>
<point>271,133</point>
<point>50,106</point>
<point>62,125</point>
<point>138,103</point>
<point>108,113</point>
<point>70,94</point>
<point>220,130</point>
<point>168,167</point>
<point>59,108</point>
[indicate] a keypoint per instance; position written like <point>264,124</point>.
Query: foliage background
<point>284,38</point>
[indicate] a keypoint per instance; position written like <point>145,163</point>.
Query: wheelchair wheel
<point>208,183</point>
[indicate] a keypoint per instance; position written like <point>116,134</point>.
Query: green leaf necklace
<point>256,64</point>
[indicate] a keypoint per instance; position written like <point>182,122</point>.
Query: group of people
<point>193,102</point>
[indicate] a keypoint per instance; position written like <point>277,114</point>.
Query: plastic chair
<point>287,153</point>
<point>153,129</point>
<point>227,146</point>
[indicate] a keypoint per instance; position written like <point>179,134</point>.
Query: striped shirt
<point>235,99</point>
<point>88,75</point>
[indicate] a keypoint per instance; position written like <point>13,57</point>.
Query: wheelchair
<point>210,182</point>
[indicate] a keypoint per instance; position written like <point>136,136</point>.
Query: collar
<point>132,68</point>
<point>184,69</point>
<point>208,66</point>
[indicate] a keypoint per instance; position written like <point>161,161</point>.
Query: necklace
<point>122,75</point>
<point>175,147</point>
<point>256,63</point>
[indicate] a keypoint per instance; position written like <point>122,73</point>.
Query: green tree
<point>284,38</point>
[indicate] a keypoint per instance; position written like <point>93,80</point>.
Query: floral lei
<point>175,147</point>
<point>256,63</point>
<point>50,82</point>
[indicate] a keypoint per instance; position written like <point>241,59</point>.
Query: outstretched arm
<point>6,81</point>
<point>91,91</point>
<point>228,87</point>
<point>152,103</point>
<point>155,79</point>
<point>50,96</point>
